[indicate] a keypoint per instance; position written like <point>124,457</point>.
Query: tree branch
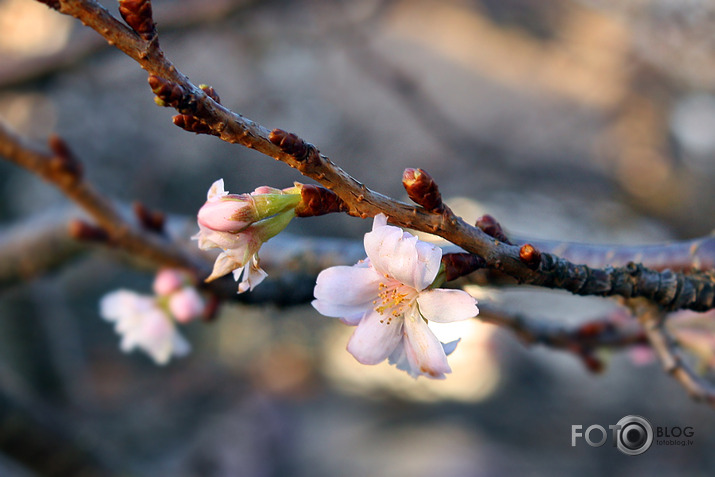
<point>666,350</point>
<point>583,340</point>
<point>199,112</point>
<point>62,169</point>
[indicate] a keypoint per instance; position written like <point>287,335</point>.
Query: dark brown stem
<point>697,254</point>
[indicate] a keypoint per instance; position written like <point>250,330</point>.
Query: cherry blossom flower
<point>143,324</point>
<point>239,225</point>
<point>388,297</point>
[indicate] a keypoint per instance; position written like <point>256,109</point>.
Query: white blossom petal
<point>402,256</point>
<point>445,306</point>
<point>424,351</point>
<point>252,273</point>
<point>223,265</point>
<point>347,286</point>
<point>348,314</point>
<point>375,338</point>
<point>216,191</point>
<point>142,324</point>
<point>398,358</point>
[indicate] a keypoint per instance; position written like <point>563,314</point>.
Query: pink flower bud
<point>186,304</point>
<point>230,213</point>
<point>167,281</point>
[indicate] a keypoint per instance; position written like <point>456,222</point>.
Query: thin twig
<point>61,169</point>
<point>666,350</point>
<point>583,340</point>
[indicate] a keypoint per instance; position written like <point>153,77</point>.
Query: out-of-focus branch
<point>611,331</point>
<point>44,242</point>
<point>666,349</point>
<point>63,170</point>
<point>36,246</point>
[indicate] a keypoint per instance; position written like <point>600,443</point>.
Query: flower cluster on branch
<point>392,295</point>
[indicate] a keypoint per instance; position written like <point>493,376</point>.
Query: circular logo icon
<point>634,435</point>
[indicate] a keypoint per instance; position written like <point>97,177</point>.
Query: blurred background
<point>584,121</point>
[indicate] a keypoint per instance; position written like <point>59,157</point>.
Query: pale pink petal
<point>209,239</point>
<point>375,338</point>
<point>154,336</point>
<point>348,314</point>
<point>398,358</point>
<point>380,220</point>
<point>347,285</point>
<point>223,265</point>
<point>375,241</point>
<point>446,306</point>
<point>402,256</point>
<point>401,362</point>
<point>424,351</point>
<point>229,214</point>
<point>167,281</point>
<point>186,304</point>
<point>261,190</point>
<point>117,305</point>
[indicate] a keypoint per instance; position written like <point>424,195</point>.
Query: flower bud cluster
<point>239,224</point>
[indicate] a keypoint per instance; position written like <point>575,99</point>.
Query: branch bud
<point>210,92</point>
<point>460,264</point>
<point>64,163</point>
<point>149,219</point>
<point>422,189</point>
<point>291,144</point>
<point>81,230</point>
<point>138,15</point>
<point>316,200</point>
<point>489,225</point>
<point>530,256</point>
<point>193,124</point>
<point>592,362</point>
<point>171,94</point>
<point>54,4</point>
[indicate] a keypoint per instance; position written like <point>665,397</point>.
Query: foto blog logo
<point>632,435</point>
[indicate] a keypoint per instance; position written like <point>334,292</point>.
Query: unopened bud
<point>167,281</point>
<point>230,213</point>
<point>530,256</point>
<point>210,92</point>
<point>489,225</point>
<point>138,15</point>
<point>459,264</point>
<point>290,144</point>
<point>316,200</point>
<point>186,305</point>
<point>422,189</point>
